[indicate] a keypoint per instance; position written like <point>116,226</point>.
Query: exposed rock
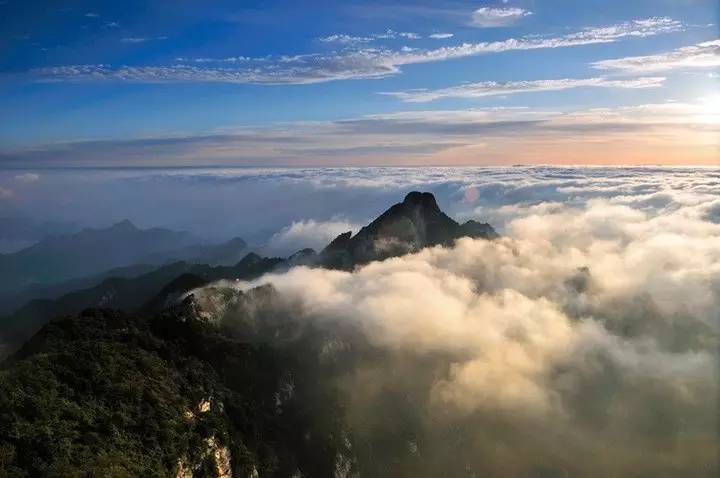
<point>408,226</point>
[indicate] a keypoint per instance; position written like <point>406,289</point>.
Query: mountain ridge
<point>408,226</point>
<point>405,227</point>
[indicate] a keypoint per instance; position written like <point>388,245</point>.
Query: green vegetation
<point>111,395</point>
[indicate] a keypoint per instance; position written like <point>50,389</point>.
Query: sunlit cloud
<point>495,88</point>
<point>594,322</point>
<point>670,133</point>
<point>488,17</point>
<point>702,55</point>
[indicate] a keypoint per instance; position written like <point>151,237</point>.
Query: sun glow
<point>708,109</point>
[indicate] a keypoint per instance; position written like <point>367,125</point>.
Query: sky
<point>280,83</point>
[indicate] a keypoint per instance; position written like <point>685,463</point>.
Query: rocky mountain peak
<point>422,200</point>
<point>408,226</point>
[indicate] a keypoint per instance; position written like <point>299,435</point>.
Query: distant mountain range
<point>160,390</point>
<point>17,233</point>
<point>90,252</point>
<point>408,226</point>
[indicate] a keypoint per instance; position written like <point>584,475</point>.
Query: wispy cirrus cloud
<point>141,39</point>
<point>386,35</point>
<point>348,64</point>
<point>495,88</point>
<point>440,36</point>
<point>489,17</point>
<point>345,39</point>
<point>701,55</point>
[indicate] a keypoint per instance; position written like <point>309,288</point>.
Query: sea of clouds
<point>302,207</point>
<point>584,342</point>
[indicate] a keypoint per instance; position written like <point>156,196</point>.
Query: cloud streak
<point>702,55</point>
<point>386,35</point>
<point>489,17</point>
<point>647,133</point>
<point>494,88</point>
<point>347,64</point>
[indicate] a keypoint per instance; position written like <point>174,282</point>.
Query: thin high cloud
<point>440,36</point>
<point>650,133</point>
<point>495,88</point>
<point>348,64</point>
<point>386,35</point>
<point>702,55</point>
<point>141,39</point>
<point>489,17</point>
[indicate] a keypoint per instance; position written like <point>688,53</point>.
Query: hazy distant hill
<point>17,233</point>
<point>408,226</point>
<point>94,251</point>
<point>166,390</point>
<point>90,251</point>
<point>226,253</point>
<point>128,293</point>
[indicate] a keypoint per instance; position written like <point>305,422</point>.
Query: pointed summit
<point>423,200</point>
<point>408,226</point>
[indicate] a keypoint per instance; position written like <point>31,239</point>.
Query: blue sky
<point>315,83</point>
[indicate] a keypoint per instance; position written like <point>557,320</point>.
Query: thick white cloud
<point>488,17</point>
<point>308,233</point>
<point>702,55</point>
<point>495,88</point>
<point>595,326</point>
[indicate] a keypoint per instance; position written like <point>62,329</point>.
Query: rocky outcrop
<point>408,226</point>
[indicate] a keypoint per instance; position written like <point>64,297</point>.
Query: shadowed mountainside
<point>166,391</point>
<point>405,227</point>
<point>90,252</point>
<point>411,225</point>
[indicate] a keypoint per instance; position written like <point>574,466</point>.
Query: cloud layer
<point>495,88</point>
<point>665,133</point>
<point>702,55</point>
<point>307,234</point>
<point>347,64</point>
<point>593,325</point>
<point>488,17</point>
